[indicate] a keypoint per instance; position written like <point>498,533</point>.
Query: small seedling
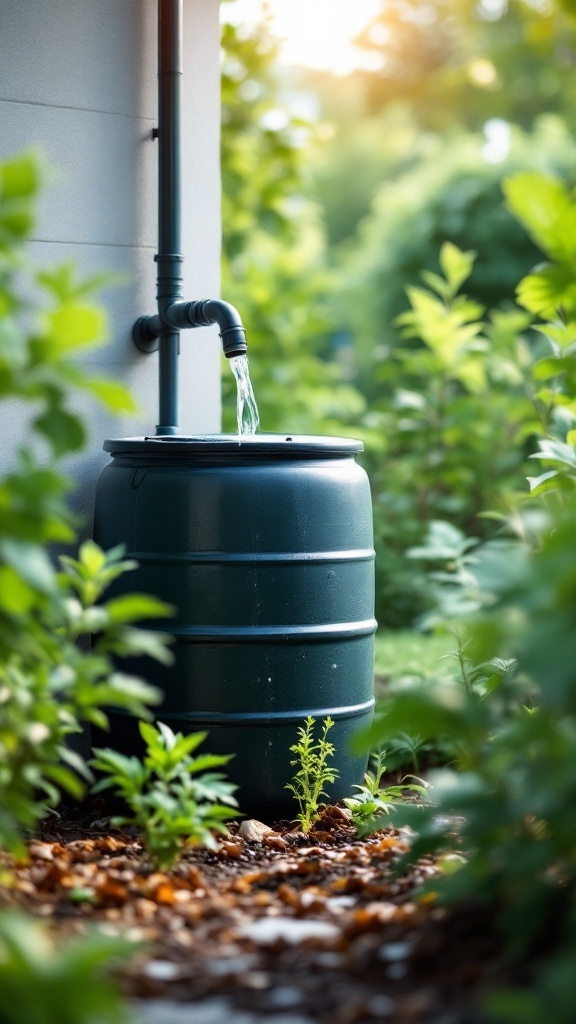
<point>313,772</point>
<point>373,801</point>
<point>174,799</point>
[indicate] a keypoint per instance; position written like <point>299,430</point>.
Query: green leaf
<point>16,597</point>
<point>153,644</point>
<point>64,430</point>
<point>63,282</point>
<point>542,204</point>
<point>76,762</point>
<point>544,482</point>
<point>133,607</point>
<point>456,265</point>
<point>549,289</point>
<point>74,326</point>
<point>65,779</point>
<point>112,394</point>
<point>149,734</point>
<point>560,334</point>
<point>19,178</point>
<point>125,689</point>
<point>31,563</point>
<point>92,557</point>
<point>556,451</point>
<point>550,367</point>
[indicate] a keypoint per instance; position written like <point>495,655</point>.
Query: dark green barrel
<point>264,545</point>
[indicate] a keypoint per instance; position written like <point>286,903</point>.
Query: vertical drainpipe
<point>162,330</point>
<point>169,257</point>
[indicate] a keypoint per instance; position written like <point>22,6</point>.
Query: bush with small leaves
<point>513,782</point>
<point>175,799</point>
<point>48,683</point>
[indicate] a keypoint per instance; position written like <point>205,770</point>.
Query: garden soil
<point>282,926</point>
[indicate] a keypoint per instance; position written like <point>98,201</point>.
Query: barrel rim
<point>241,445</point>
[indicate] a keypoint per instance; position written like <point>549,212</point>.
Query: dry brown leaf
<point>111,893</point>
<point>164,893</point>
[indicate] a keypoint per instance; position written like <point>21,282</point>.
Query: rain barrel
<point>264,545</point>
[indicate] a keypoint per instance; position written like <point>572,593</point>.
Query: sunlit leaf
<point>549,289</point>
<point>456,265</point>
<point>19,178</point>
<point>542,204</point>
<point>31,562</point>
<point>73,326</point>
<point>112,394</point>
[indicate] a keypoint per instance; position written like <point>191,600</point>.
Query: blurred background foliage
<point>330,217</point>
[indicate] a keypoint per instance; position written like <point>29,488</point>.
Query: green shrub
<point>48,684</point>
<point>513,722</point>
<point>450,396</point>
<point>174,799</point>
<point>515,783</point>
<point>69,985</point>
<point>455,427</point>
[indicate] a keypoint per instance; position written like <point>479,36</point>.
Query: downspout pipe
<point>162,331</point>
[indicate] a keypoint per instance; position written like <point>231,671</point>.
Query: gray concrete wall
<point>78,82</point>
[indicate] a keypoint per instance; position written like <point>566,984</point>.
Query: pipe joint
<point>178,315</point>
<point>216,311</point>
<point>205,312</point>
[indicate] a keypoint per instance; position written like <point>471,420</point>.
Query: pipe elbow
<point>226,316</point>
<point>204,313</point>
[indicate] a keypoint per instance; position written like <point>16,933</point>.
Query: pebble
<point>255,831</point>
<point>161,970</point>
<point>43,851</point>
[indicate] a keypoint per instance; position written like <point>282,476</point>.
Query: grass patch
<point>409,653</point>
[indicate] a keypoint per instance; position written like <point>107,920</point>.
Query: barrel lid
<point>248,444</point>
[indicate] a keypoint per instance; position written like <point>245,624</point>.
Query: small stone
<point>230,849</point>
<point>275,842</point>
<point>161,970</point>
<point>255,831</point>
<point>43,851</point>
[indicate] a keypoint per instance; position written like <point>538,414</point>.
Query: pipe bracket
<point>145,333</point>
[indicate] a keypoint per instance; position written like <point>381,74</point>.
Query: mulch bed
<point>316,925</point>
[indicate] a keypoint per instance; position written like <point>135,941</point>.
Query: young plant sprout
<point>313,773</point>
<point>173,798</point>
<point>373,801</point>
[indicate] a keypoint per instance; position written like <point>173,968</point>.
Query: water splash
<point>246,409</point>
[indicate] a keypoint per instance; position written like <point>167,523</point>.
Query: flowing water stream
<point>246,408</point>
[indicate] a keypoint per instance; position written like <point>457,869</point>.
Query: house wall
<point>78,83</point>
